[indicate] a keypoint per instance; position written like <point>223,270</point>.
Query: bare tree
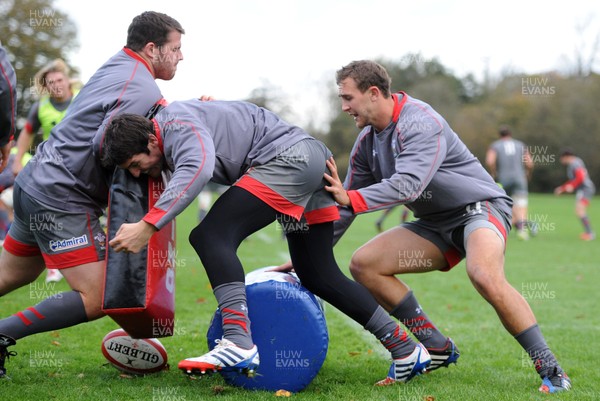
<point>586,51</point>
<point>34,33</point>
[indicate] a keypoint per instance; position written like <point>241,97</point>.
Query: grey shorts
<point>292,183</point>
<point>450,235</point>
<point>63,238</point>
<point>515,187</point>
<point>584,195</point>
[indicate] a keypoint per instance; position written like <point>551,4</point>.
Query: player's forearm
<point>23,143</point>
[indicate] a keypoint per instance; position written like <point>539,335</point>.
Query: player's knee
<point>209,244</point>
<point>94,312</point>
<point>359,266</point>
<point>200,237</point>
<point>195,235</point>
<point>92,304</point>
<point>489,286</point>
<point>321,287</point>
<point>312,285</point>
<point>520,201</point>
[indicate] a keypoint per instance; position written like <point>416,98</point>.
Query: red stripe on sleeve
<point>580,174</point>
<point>154,215</point>
<point>358,202</point>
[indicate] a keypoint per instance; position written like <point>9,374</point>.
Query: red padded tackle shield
<point>139,289</point>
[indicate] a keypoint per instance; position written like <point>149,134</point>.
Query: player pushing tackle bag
<point>139,288</point>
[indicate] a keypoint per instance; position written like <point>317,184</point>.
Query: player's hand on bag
<point>132,237</point>
<point>287,267</point>
<point>336,188</point>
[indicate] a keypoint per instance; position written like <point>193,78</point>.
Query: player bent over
<point>274,170</point>
<point>406,153</point>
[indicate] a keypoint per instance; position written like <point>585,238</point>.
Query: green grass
<point>556,271</point>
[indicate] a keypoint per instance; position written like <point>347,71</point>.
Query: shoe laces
<point>5,355</point>
<point>555,376</point>
<point>222,343</point>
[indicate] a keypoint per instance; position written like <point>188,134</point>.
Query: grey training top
<point>214,140</point>
<point>417,160</point>
<point>579,177</point>
<point>66,169</point>
<point>510,155</point>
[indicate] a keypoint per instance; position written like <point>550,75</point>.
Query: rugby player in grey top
<point>275,171</point>
<point>580,183</point>
<point>61,193</point>
<point>406,153</point>
<point>510,163</point>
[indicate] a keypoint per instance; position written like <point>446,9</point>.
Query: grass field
<point>556,272</point>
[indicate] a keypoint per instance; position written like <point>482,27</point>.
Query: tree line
<point>548,111</point>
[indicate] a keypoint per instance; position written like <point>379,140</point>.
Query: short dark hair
<point>504,131</point>
<point>567,152</point>
<point>125,136</point>
<point>366,73</point>
<point>151,26</point>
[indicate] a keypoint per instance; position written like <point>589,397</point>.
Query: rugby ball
<point>134,356</point>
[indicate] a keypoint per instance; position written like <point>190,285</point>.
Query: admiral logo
<point>68,243</point>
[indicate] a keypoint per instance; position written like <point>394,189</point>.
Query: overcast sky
<point>233,46</point>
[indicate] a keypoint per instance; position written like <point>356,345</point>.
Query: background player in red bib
<point>580,183</point>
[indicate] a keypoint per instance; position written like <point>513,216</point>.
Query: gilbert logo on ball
<point>134,356</point>
<point>288,327</point>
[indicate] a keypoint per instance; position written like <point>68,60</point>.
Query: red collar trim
<point>139,58</point>
<point>158,136</point>
<point>398,105</point>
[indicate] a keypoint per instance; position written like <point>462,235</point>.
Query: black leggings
<point>238,214</point>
